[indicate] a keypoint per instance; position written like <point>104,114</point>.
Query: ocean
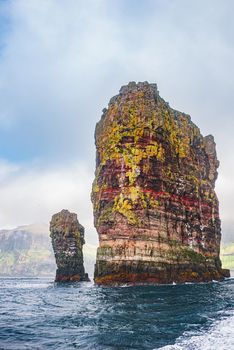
<point>36,313</point>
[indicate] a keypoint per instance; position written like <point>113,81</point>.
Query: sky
<point>60,63</point>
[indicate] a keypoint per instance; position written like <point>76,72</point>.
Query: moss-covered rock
<point>67,236</point>
<point>155,208</point>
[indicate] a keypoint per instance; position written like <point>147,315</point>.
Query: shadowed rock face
<point>155,208</point>
<point>67,236</point>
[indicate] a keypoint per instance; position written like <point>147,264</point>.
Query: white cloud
<point>32,194</point>
<point>7,170</point>
<point>225,192</point>
<point>60,63</point>
<point>53,70</point>
<point>63,60</point>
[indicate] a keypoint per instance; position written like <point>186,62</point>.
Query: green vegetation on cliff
<point>27,251</point>
<point>24,257</point>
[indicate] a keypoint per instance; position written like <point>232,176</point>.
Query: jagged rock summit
<point>67,236</point>
<point>155,208</point>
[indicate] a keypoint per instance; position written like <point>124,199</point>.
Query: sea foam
<point>220,336</point>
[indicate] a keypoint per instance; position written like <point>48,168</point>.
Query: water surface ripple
<point>40,314</point>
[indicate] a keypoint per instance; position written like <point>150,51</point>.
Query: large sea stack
<point>155,208</point>
<point>67,236</point>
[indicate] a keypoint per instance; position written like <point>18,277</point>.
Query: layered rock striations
<point>155,208</point>
<point>67,236</point>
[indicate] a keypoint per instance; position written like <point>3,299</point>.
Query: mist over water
<point>40,314</point>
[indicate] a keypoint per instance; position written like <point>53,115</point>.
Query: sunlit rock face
<point>155,208</point>
<point>67,236</point>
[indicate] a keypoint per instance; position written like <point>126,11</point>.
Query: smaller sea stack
<point>67,236</point>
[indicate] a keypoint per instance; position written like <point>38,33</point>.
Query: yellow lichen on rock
<point>154,187</point>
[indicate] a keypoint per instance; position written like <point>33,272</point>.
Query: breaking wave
<point>219,337</point>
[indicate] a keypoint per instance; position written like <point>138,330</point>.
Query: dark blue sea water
<point>39,314</point>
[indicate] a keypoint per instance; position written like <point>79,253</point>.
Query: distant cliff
<point>155,208</point>
<point>27,251</point>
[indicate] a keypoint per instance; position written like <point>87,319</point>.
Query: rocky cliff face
<point>155,208</point>
<point>26,251</point>
<point>67,236</point>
